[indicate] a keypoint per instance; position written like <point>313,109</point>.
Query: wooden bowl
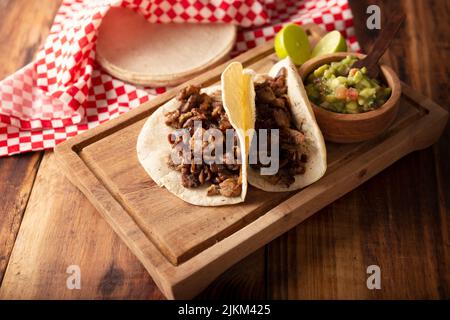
<point>350,128</point>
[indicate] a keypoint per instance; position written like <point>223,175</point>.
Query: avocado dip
<point>340,88</point>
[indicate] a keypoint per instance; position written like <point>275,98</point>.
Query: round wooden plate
<point>131,49</point>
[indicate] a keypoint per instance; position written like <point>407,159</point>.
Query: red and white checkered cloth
<point>63,92</point>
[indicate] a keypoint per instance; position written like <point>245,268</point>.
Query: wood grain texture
<point>23,26</point>
<point>60,228</point>
<point>16,180</point>
<point>244,280</point>
<point>399,219</point>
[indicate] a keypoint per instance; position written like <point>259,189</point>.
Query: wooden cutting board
<point>185,247</point>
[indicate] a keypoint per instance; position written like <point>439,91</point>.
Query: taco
<point>282,103</point>
<point>169,143</point>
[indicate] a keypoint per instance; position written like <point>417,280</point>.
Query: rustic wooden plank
<point>61,228</point>
<point>243,281</point>
<point>23,26</point>
<point>16,180</point>
<point>395,219</point>
<point>419,54</point>
<point>432,44</point>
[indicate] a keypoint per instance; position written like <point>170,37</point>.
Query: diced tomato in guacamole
<point>340,88</point>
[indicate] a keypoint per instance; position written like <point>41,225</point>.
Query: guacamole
<point>340,88</point>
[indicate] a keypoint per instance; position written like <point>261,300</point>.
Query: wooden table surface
<point>398,220</point>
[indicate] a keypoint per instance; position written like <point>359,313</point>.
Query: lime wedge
<point>292,41</point>
<point>332,42</point>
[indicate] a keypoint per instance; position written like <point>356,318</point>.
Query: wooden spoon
<point>381,44</point>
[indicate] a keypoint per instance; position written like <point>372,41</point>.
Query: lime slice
<point>332,42</point>
<point>292,41</point>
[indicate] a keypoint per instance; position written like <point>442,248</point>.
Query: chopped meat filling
<point>224,179</point>
<point>273,111</point>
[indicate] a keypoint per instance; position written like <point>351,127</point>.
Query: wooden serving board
<point>185,247</point>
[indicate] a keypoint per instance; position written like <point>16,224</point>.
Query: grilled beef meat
<point>274,112</point>
<point>224,178</point>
